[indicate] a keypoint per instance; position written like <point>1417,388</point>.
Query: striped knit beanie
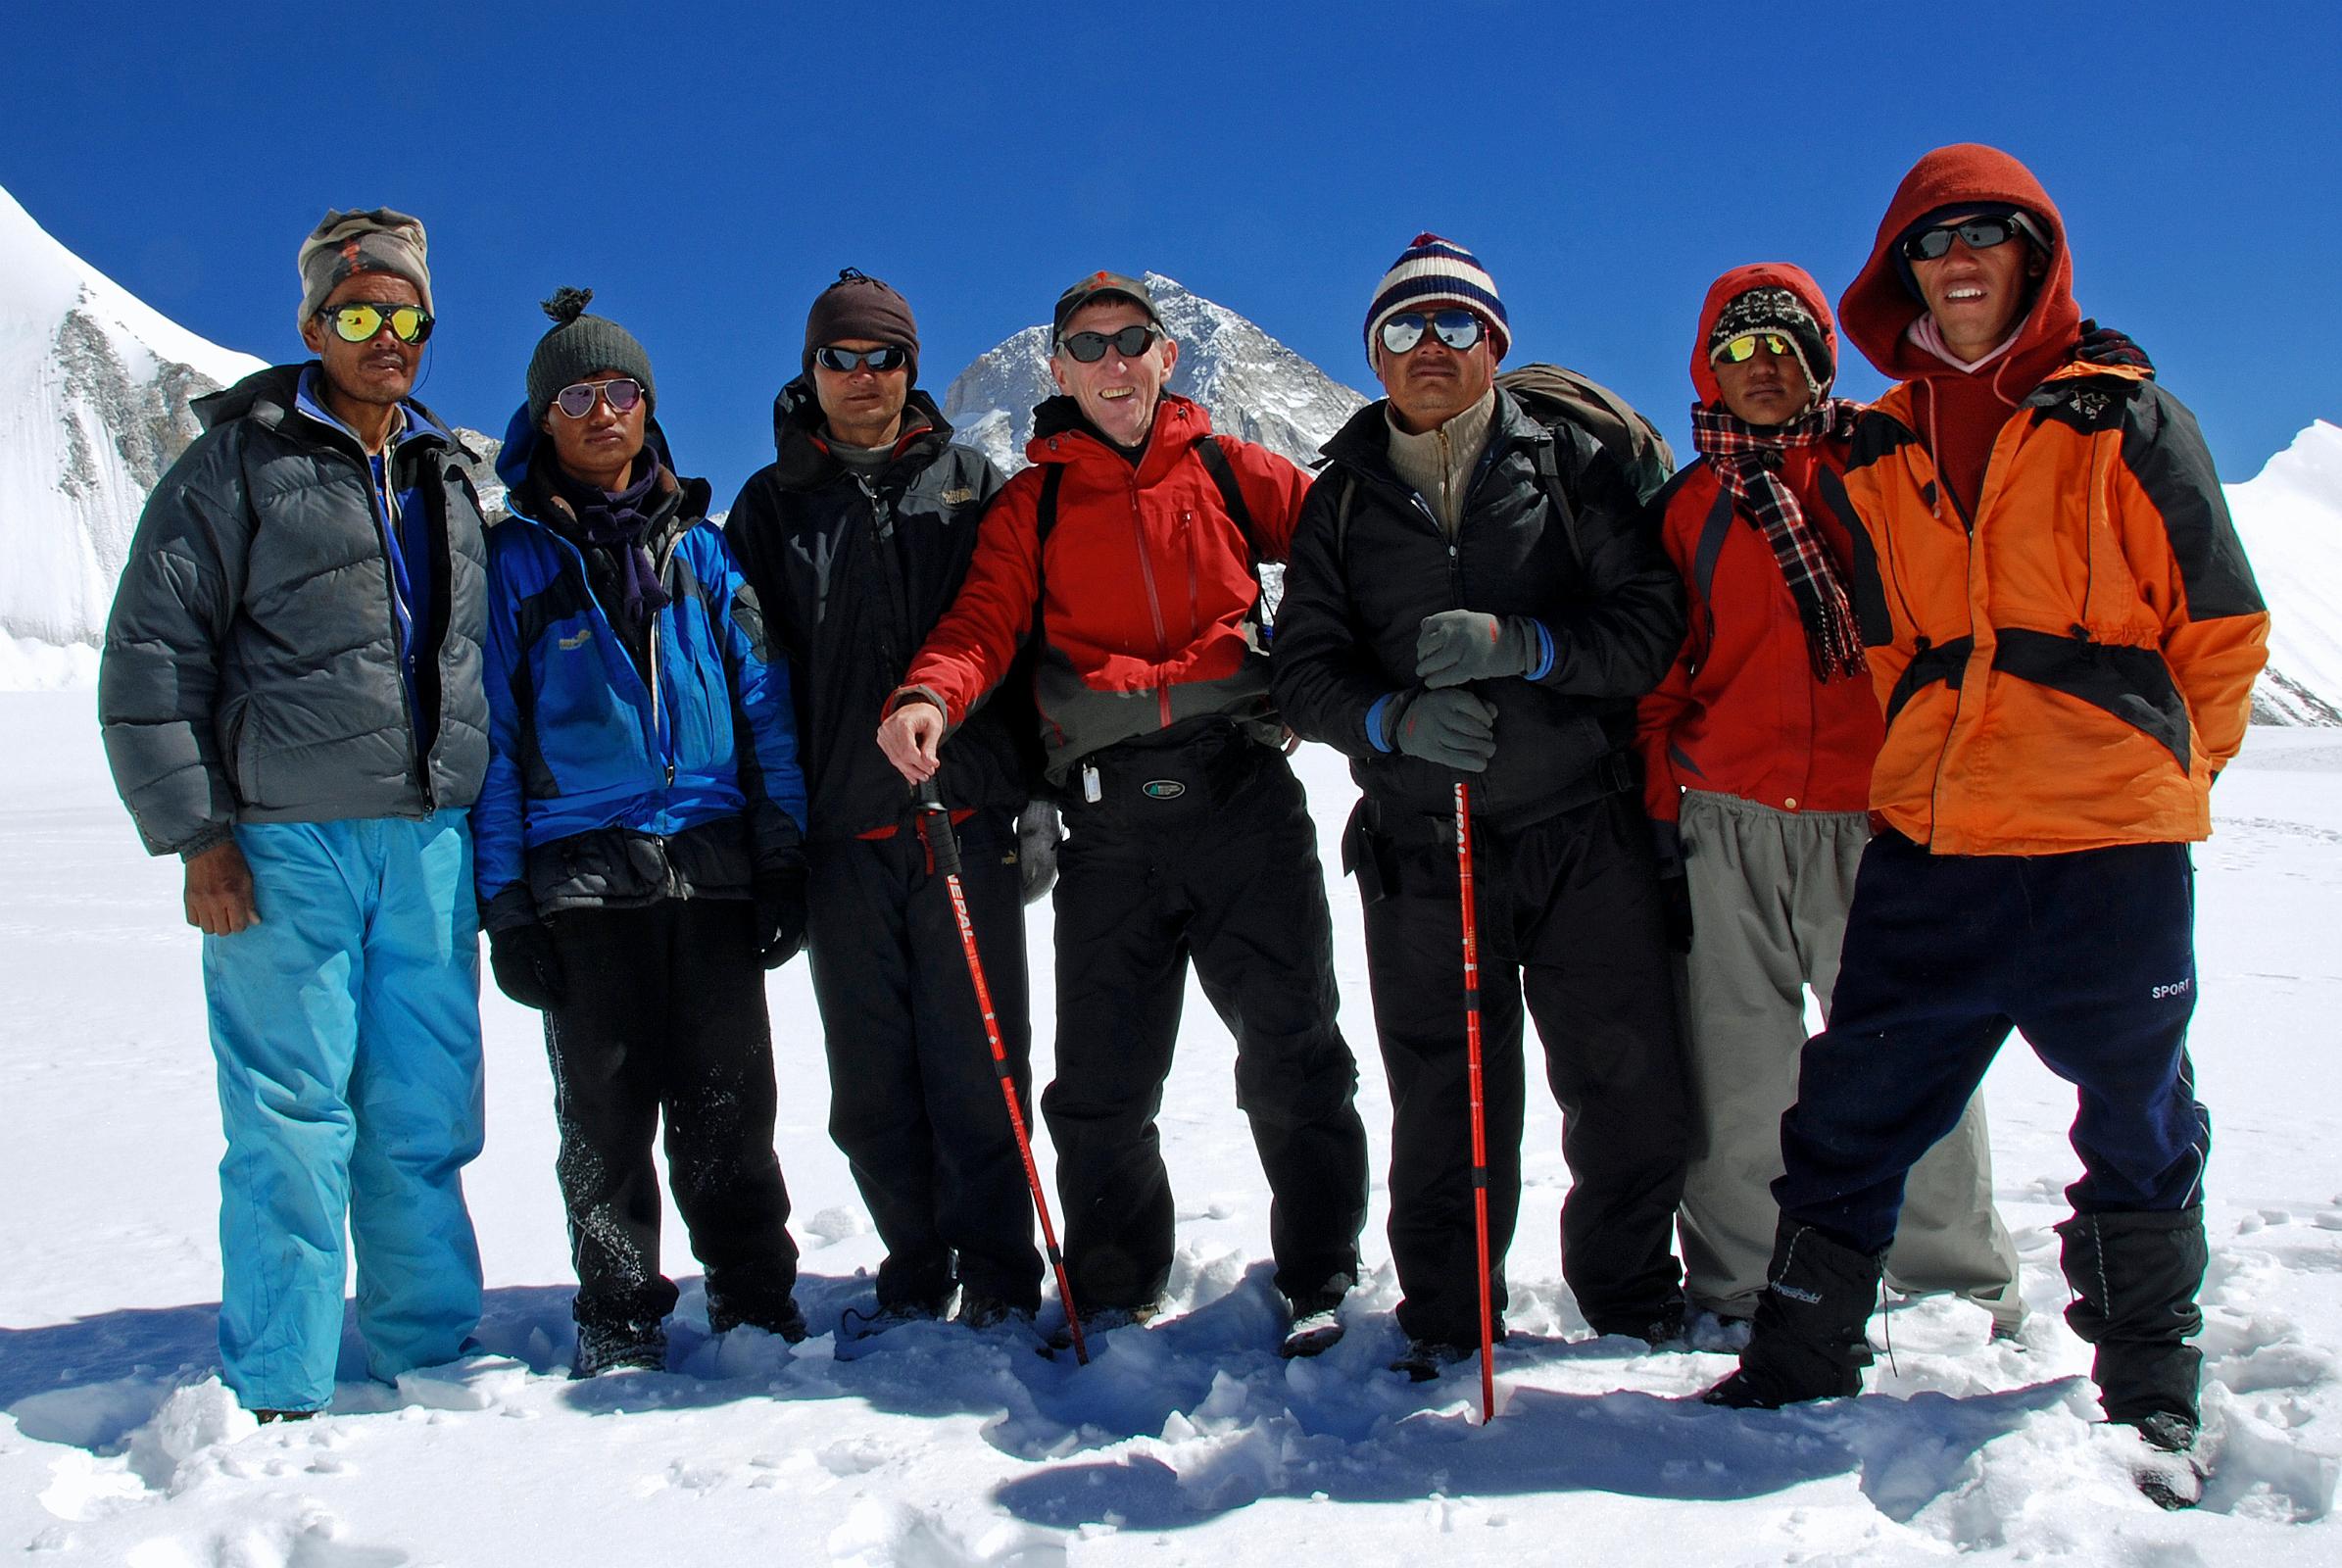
<point>1432,274</point>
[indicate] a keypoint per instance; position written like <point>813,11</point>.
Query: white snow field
<point>1184,1442</point>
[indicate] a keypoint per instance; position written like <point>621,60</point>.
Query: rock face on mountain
<point>1254,386</point>
<point>94,388</point>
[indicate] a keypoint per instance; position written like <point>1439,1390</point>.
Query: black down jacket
<point>251,668</point>
<point>853,574</point>
<point>1369,561</point>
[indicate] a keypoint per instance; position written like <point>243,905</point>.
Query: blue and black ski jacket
<point>604,789</point>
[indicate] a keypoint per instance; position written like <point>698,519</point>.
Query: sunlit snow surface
<point>1187,1442</point>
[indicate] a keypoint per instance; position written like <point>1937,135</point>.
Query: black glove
<point>1456,646</point>
<point>780,916</point>
<point>526,964</point>
<point>1038,831</point>
<point>2105,345</point>
<point>1452,728</point>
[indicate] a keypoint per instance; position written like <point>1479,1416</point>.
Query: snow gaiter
<point>2135,1277</point>
<point>1808,1340</point>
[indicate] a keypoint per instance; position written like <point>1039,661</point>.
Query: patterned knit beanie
<point>1773,309</point>
<point>1432,274</point>
<point>577,346</point>
<point>373,240</point>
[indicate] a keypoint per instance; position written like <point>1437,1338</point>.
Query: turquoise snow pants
<point>347,1028</point>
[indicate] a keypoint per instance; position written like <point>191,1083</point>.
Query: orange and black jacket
<point>1145,586</point>
<point>2067,664</point>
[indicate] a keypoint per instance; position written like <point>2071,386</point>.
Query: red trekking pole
<point>942,847</point>
<point>1479,1121</point>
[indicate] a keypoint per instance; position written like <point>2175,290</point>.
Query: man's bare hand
<point>909,737</point>
<point>220,892</point>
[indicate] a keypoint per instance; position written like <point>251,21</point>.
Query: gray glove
<point>1452,728</point>
<point>1456,646</point>
<point>1037,834</point>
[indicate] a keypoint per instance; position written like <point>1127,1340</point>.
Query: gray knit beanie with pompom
<point>578,346</point>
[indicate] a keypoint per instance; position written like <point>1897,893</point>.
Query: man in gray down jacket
<point>291,694</point>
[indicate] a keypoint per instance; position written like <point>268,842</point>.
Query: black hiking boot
<point>618,1347</point>
<point>1315,1323</point>
<point>266,1417</point>
<point>1100,1321</point>
<point>1427,1360</point>
<point>786,1320</point>
<point>980,1312</point>
<point>1806,1342</point>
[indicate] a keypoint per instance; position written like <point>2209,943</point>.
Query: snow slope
<point>2290,518</point>
<point>94,388</point>
<point>1183,1442</point>
<point>1253,386</point>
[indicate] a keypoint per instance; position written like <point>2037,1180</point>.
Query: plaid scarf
<point>1739,451</point>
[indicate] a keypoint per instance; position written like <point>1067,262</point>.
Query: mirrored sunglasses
<point>1130,343</point>
<point>1458,329</point>
<point>621,393</point>
<point>847,360</point>
<point>359,322</point>
<point>1740,350</point>
<point>1980,233</point>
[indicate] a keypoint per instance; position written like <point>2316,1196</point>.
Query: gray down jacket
<point>251,666</point>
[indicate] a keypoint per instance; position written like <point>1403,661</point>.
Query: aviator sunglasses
<point>1130,343</point>
<point>847,360</point>
<point>1742,349</point>
<point>1458,329</point>
<point>359,322</point>
<point>1980,233</point>
<point>621,393</point>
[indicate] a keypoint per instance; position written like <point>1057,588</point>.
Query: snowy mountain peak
<point>1253,386</point>
<point>94,388</point>
<point>2290,518</point>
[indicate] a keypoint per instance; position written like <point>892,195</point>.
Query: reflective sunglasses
<point>1740,350</point>
<point>359,322</point>
<point>1458,329</point>
<point>1980,233</point>
<point>621,393</point>
<point>1130,343</point>
<point>847,360</point>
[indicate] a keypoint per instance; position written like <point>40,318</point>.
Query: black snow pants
<point>1567,916</point>
<point>663,1017</point>
<point>914,1099</point>
<point>1202,848</point>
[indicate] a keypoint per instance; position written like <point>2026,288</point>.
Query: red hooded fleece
<point>1961,413</point>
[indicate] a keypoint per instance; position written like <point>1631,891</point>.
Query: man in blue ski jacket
<point>640,860</point>
<point>290,696</point>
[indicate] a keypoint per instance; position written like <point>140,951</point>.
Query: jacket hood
<point>269,394</point>
<point>1739,281</point>
<point>522,437</point>
<point>801,450</point>
<point>1877,307</point>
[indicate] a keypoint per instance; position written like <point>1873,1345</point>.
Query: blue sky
<point>706,168</point>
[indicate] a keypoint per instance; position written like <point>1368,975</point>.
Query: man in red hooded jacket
<point>1758,744</point>
<point>2064,630</point>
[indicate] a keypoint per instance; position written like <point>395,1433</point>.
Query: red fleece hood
<point>1878,307</point>
<point>1730,287</point>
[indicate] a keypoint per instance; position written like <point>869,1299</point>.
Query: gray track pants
<point>1770,892</point>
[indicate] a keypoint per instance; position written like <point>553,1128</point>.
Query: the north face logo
<point>1163,789</point>
<point>959,496</point>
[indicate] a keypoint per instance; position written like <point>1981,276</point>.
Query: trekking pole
<point>935,829</point>
<point>1479,1121</point>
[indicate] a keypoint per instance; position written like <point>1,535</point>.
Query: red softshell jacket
<point>1145,587</point>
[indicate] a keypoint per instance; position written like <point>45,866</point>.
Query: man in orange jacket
<point>2064,630</point>
<point>1135,542</point>
<point>1758,742</point>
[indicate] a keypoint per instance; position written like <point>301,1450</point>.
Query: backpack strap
<point>1713,532</point>
<point>1215,462</point>
<point>1548,478</point>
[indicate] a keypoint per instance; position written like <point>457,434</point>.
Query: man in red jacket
<point>1759,741</point>
<point>1135,541</point>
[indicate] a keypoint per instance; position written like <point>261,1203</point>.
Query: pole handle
<point>934,826</point>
